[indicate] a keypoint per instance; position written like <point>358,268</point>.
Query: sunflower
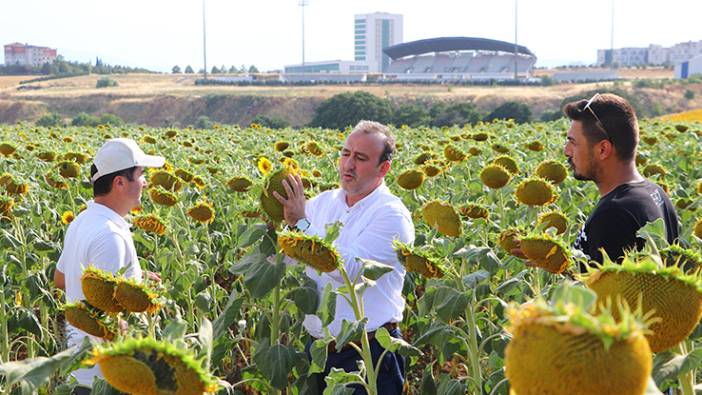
<point>6,204</point>
<point>148,366</point>
<point>673,296</point>
<point>274,182</point>
<point>654,169</point>
<point>313,148</point>
<point>184,175</point>
<point>554,219</point>
<point>474,211</point>
<point>163,197</point>
<point>202,212</point>
<point>442,217</point>
<point>98,287</point>
<point>562,349</point>
<point>697,229</point>
<point>410,179</point>
<point>69,169</point>
<point>552,170</point>
<point>136,297</point>
<point>535,191</point>
<point>150,223</point>
<point>148,139</point>
<point>264,165</point>
<point>535,146</point>
<point>495,176</point>
<point>454,154</point>
<point>546,252</point>
<point>77,157</point>
<point>7,149</point>
<point>67,217</point>
<point>240,184</point>
<point>310,250</point>
<point>166,180</point>
<point>423,158</point>
<point>509,238</point>
<point>281,146</point>
<point>55,180</point>
<point>508,163</point>
<point>47,156</point>
<point>416,261</point>
<point>90,320</point>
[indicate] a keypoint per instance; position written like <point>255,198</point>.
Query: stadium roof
<point>445,44</point>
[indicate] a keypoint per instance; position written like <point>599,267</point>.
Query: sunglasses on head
<point>597,119</point>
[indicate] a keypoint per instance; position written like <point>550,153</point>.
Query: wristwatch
<point>302,224</point>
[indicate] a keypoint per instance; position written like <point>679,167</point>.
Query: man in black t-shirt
<point>601,147</point>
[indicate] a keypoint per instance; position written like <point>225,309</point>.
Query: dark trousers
<point>391,375</point>
<point>81,391</point>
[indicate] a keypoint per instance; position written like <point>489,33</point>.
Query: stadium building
<point>458,58</point>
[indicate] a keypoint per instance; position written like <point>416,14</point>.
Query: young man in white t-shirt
<point>100,236</point>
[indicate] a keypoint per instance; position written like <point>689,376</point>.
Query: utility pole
<point>611,40</point>
<point>204,41</point>
<point>303,4</point>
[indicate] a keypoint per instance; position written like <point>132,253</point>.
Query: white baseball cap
<point>119,154</point>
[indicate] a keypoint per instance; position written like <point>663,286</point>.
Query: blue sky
<point>158,34</point>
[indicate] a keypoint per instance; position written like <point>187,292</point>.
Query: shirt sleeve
<point>375,243</point>
<point>109,252</point>
<point>613,230</point>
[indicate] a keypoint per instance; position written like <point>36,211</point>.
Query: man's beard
<point>581,176</point>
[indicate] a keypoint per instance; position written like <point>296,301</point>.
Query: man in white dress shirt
<point>372,217</point>
<point>99,236</point>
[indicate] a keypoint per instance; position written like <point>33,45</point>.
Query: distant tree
<point>270,122</point>
<point>553,115</point>
<point>242,69</point>
<point>83,119</point>
<point>175,69</point>
<point>223,69</point>
<point>105,82</point>
<point>215,70</point>
<point>689,94</point>
<point>449,114</point>
<point>188,69</point>
<point>253,69</point>
<point>110,119</point>
<point>233,70</point>
<point>203,122</point>
<point>346,109</point>
<point>411,115</point>
<point>520,112</point>
<point>49,120</point>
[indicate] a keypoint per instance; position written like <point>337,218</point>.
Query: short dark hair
<point>103,185</point>
<point>615,115</point>
<point>370,127</point>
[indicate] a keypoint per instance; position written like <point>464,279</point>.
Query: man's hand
<point>294,205</point>
<point>517,252</point>
<point>152,276</point>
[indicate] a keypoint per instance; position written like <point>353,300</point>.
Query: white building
<point>653,55</point>
<point>373,33</point>
<point>330,66</point>
<point>689,68</point>
<point>28,55</point>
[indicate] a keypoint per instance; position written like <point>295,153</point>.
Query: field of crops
<point>230,311</point>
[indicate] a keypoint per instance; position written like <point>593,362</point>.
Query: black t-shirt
<point>620,214</point>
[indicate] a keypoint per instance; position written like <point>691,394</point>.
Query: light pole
<point>204,41</point>
<point>515,42</point>
<point>303,4</point>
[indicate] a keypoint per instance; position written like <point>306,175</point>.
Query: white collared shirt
<point>102,238</point>
<point>369,227</point>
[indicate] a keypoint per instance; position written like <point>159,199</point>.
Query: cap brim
<point>152,161</point>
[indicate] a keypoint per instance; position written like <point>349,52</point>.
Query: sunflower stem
<point>473,352</point>
<point>371,380</point>
<point>687,379</point>
<point>4,333</point>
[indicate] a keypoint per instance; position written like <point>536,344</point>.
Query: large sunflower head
<point>7,149</point>
<point>150,223</point>
<point>274,182</point>
<point>474,211</point>
<point>546,252</point>
<point>163,197</point>
<point>442,216</point>
<point>563,349</point>
<point>410,179</point>
<point>673,296</point>
<point>310,250</point>
<point>495,176</point>
<point>184,175</point>
<point>535,191</point>
<point>90,320</point>
<point>552,170</point>
<point>508,163</point>
<point>166,180</point>
<point>508,239</point>
<point>676,255</point>
<point>149,366</point>
<point>69,169</point>
<point>240,184</point>
<point>202,212</point>
<point>99,287</point>
<point>453,153</point>
<point>136,297</point>
<point>416,261</point>
<point>554,219</point>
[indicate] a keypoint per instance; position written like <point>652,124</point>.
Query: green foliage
<point>519,112</point>
<point>270,121</point>
<point>175,69</point>
<point>203,122</point>
<point>548,116</point>
<point>51,119</point>
<point>689,94</point>
<point>188,69</point>
<point>347,109</point>
<point>413,115</point>
<point>106,82</point>
<point>450,114</point>
<point>83,119</point>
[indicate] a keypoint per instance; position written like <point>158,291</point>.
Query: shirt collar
<point>110,214</point>
<point>370,198</point>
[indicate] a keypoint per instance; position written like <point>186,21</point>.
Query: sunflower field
<point>227,315</point>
